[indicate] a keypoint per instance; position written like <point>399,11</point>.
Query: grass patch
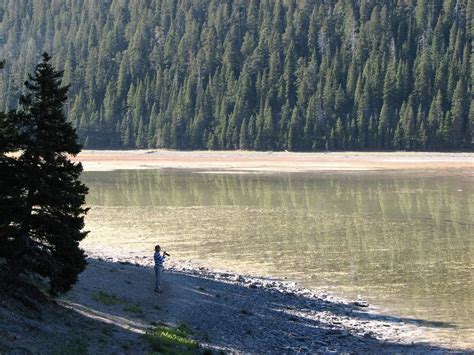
<point>184,328</point>
<point>133,308</point>
<point>174,341</point>
<point>106,298</point>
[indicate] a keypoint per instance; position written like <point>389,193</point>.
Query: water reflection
<point>403,240</point>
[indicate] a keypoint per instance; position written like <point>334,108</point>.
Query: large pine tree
<point>41,196</point>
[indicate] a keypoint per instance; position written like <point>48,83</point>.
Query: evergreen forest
<point>298,75</point>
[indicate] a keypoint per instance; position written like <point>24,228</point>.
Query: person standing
<point>159,260</point>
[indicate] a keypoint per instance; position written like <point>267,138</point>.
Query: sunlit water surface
<point>401,241</point>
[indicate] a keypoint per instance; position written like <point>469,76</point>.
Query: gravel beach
<point>224,311</point>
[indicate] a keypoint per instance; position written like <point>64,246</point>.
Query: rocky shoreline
<point>226,312</point>
<point>340,317</point>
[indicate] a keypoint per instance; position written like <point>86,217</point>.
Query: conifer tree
<point>459,116</point>
<point>43,235</point>
<point>294,140</point>
<point>10,188</point>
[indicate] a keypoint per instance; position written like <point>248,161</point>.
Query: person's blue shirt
<point>159,259</point>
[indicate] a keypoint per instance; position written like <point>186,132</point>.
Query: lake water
<point>399,240</point>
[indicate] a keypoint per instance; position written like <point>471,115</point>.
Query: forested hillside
<point>248,74</point>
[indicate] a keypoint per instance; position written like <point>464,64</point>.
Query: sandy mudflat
<point>224,311</point>
<point>243,161</point>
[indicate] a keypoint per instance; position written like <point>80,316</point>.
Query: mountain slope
<point>295,75</point>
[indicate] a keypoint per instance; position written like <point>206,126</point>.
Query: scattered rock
<point>368,335</point>
<point>360,304</point>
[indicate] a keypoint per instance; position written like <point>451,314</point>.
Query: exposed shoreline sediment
<point>276,162</point>
<point>225,311</point>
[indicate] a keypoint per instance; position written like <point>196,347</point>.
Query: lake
<point>402,241</point>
